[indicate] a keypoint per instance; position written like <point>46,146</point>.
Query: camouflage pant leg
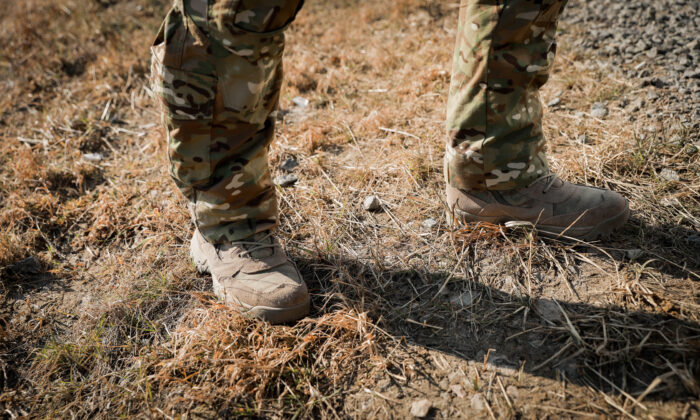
<point>503,55</point>
<point>218,74</point>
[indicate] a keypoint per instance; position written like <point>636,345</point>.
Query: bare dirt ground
<point>103,315</point>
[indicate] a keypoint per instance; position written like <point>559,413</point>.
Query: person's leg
<point>218,67</point>
<point>222,85</point>
<point>495,160</point>
<point>502,57</point>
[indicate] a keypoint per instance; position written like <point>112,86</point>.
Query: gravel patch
<point>654,41</point>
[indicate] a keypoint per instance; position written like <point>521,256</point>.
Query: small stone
<point>372,203</point>
<point>554,102</point>
<point>93,157</point>
<point>478,402</point>
<point>637,104</point>
<point>286,180</point>
<point>464,299</point>
<point>641,45</point>
<point>301,102</point>
<point>513,392</point>
<point>548,310</point>
<point>289,165</point>
<point>458,391</point>
<point>633,254</point>
<point>669,175</point>
<point>420,408</point>
<point>599,110</point>
<point>429,223</point>
<point>384,384</point>
<point>583,139</point>
<point>652,96</point>
<point>652,52</point>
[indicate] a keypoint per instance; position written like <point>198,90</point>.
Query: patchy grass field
<point>102,314</point>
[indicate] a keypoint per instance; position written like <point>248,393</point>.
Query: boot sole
<point>266,313</point>
<point>587,233</point>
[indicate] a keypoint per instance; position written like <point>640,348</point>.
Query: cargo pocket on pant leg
<point>187,100</point>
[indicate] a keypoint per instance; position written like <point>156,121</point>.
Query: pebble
<point>654,41</point>
<point>286,180</point>
<point>289,165</point>
<point>420,408</point>
<point>599,110</point>
<point>463,299</point>
<point>384,384</point>
<point>372,203</point>
<point>633,254</point>
<point>513,392</point>
<point>548,310</point>
<point>554,102</point>
<point>93,157</point>
<point>637,104</point>
<point>458,391</point>
<point>429,223</point>
<point>478,402</point>
<point>669,175</point>
<point>300,101</point>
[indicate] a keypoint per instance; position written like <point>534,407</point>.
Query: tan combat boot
<point>255,276</point>
<point>553,206</point>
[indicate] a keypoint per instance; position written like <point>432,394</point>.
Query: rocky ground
<point>655,42</point>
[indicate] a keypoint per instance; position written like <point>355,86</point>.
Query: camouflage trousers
<point>217,70</point>
<point>503,55</point>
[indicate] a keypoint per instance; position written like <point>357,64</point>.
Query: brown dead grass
<point>115,322</point>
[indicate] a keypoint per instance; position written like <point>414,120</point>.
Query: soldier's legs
<point>503,55</point>
<point>220,67</point>
<point>218,72</point>
<point>495,164</point>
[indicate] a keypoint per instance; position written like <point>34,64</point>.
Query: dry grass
<point>103,315</point>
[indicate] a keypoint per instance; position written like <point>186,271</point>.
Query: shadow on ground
<point>612,349</point>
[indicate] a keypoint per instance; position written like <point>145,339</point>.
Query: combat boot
<point>254,275</point>
<point>553,206</point>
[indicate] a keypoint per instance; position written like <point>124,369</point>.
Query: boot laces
<point>262,241</point>
<point>551,179</point>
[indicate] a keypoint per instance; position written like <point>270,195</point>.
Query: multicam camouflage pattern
<point>217,70</point>
<point>503,55</point>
